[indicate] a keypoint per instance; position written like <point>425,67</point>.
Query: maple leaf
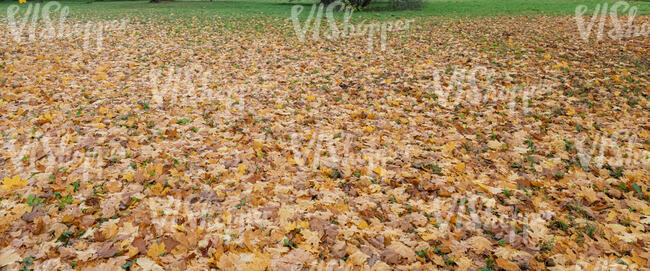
<point>22,1</point>
<point>449,147</point>
<point>147,264</point>
<point>128,176</point>
<point>11,184</point>
<point>358,258</point>
<point>8,256</point>
<point>380,171</point>
<point>156,250</point>
<point>464,263</point>
<point>479,244</point>
<point>402,250</point>
<point>507,265</point>
<point>179,227</point>
<point>259,262</point>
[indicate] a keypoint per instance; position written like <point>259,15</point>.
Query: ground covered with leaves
<point>267,153</point>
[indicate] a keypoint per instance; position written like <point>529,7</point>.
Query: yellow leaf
<point>156,189</point>
<point>571,111</point>
<point>625,72</point>
<point>547,56</point>
<point>610,216</point>
<point>449,147</point>
<point>179,227</point>
<point>14,183</point>
<point>45,118</point>
<point>363,225</point>
<point>304,224</point>
<point>379,170</point>
<point>483,186</point>
<point>101,76</point>
<point>326,171</point>
<point>155,250</point>
<point>460,167</point>
<point>341,207</point>
<point>131,251</point>
<point>370,128</point>
<point>241,169</point>
<point>311,98</point>
<point>291,226</point>
<point>226,217</point>
<point>128,176</point>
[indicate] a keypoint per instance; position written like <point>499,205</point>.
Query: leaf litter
<point>181,146</point>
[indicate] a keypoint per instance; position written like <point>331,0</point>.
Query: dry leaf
<point>14,183</point>
<point>8,256</point>
<point>507,265</point>
<point>156,250</point>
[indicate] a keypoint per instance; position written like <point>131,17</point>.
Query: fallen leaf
<point>8,256</point>
<point>507,265</point>
<point>156,250</point>
<point>11,184</point>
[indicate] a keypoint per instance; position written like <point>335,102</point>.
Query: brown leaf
<point>108,250</point>
<point>507,265</point>
<point>30,216</point>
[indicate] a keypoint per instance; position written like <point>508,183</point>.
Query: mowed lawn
<point>280,8</point>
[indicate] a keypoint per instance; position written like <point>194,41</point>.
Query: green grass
<point>282,8</point>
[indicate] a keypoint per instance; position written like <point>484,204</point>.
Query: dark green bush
<point>405,4</point>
